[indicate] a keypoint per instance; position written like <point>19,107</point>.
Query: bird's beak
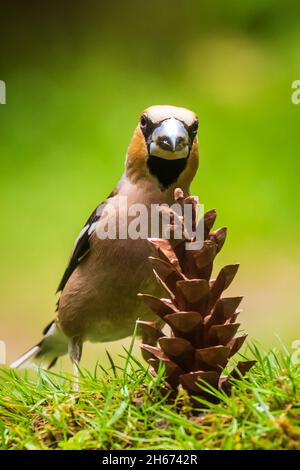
<point>170,140</point>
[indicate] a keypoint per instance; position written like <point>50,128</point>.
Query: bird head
<point>164,146</point>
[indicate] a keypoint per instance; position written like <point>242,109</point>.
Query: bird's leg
<point>75,351</point>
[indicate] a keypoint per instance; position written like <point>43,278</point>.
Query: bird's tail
<point>53,345</point>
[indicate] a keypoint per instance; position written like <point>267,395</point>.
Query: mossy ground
<point>125,408</point>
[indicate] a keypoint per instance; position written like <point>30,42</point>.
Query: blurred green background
<point>78,74</point>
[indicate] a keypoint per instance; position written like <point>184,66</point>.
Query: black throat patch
<point>166,171</point>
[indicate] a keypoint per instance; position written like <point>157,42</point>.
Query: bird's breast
<point>100,302</point>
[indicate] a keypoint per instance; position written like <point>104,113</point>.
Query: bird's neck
<point>149,191</point>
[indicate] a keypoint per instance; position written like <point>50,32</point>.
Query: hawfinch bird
<point>98,291</point>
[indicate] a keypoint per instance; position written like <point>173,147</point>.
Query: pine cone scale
<point>222,334</point>
<point>212,357</point>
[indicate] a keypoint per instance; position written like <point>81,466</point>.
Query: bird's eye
<point>143,120</point>
<point>194,127</point>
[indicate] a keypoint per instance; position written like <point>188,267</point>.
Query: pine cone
<point>203,325</point>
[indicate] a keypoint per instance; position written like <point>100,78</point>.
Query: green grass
<point>124,408</point>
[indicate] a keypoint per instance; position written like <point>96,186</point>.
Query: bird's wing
<point>82,243</point>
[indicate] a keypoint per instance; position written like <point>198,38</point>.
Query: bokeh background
<point>78,74</point>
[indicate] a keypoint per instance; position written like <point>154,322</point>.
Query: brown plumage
<point>98,292</point>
